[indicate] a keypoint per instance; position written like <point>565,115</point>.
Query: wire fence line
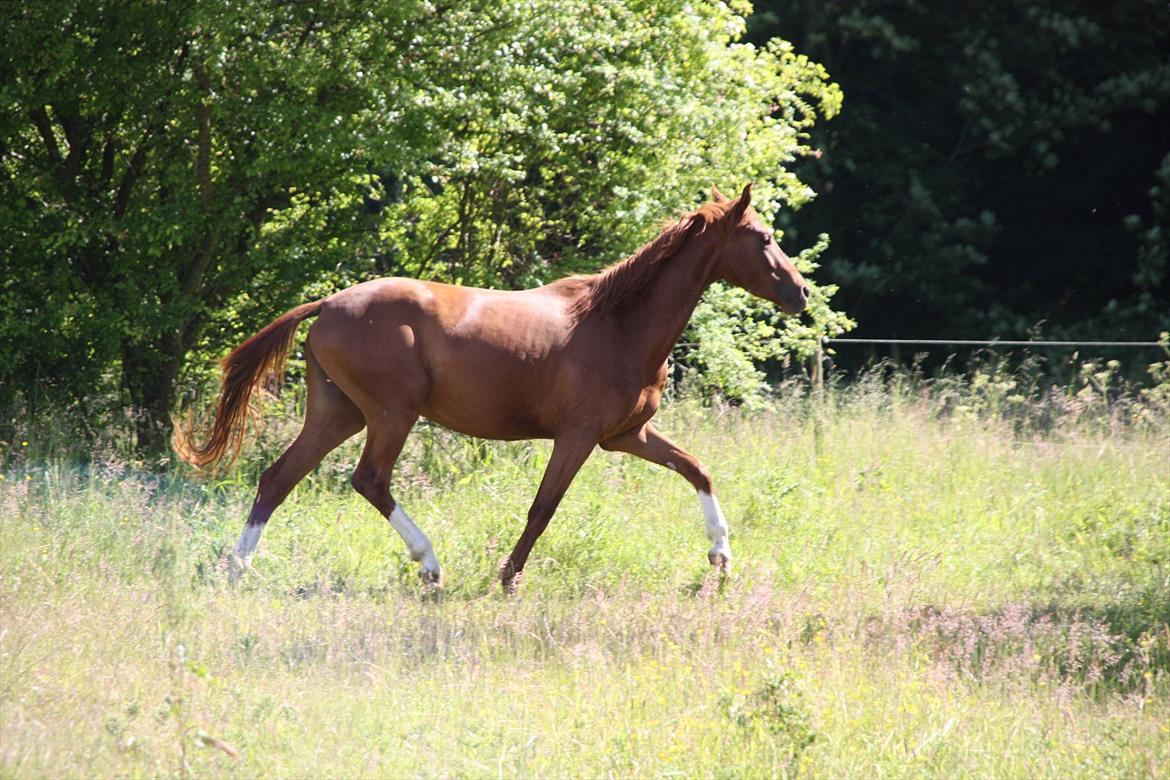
<point>996,342</point>
<point>978,343</point>
<point>817,363</point>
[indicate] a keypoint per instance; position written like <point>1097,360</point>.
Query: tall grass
<point>955,578</point>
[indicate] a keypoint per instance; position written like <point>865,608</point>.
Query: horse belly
<point>491,396</point>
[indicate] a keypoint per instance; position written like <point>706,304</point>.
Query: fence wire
<point>997,342</point>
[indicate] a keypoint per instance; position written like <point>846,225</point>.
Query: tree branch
<point>203,143</point>
<point>194,276</point>
<point>77,136</point>
<point>109,149</point>
<point>138,161</point>
<point>44,126</point>
<point>130,176</point>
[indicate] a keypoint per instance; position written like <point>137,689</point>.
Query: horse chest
<point>639,403</point>
<point>647,404</point>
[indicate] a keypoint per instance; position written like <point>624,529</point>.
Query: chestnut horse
<point>581,361</point>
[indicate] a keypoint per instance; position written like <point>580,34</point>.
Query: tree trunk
<point>149,374</point>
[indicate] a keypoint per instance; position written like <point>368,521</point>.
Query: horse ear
<point>716,195</point>
<point>737,210</point>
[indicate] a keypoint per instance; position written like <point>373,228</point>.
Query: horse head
<point>750,257</point>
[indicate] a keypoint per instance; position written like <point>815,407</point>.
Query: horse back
<point>489,363</point>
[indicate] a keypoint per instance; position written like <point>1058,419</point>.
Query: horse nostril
<point>804,292</point>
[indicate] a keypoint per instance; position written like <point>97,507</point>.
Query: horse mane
<point>624,282</point>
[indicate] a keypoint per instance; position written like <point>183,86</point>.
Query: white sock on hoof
<point>716,525</point>
<point>417,544</point>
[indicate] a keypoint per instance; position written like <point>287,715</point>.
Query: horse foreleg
<point>649,444</point>
<point>568,455</point>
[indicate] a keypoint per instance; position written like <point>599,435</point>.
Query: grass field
<point>922,587</point>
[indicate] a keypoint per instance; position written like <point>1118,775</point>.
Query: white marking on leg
<point>248,541</point>
<point>716,525</point>
<point>241,560</point>
<point>417,543</point>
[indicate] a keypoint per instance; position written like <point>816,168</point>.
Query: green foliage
<point>175,175</point>
<point>1156,397</point>
<point>776,707</point>
<point>566,144</point>
<point>996,165</point>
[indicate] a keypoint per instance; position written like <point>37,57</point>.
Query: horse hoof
<point>239,567</point>
<point>509,577</point>
<point>720,561</point>
<point>236,566</point>
<point>432,578</point>
<point>512,584</point>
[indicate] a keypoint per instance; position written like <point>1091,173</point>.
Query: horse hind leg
<point>371,479</point>
<point>330,419</point>
<point>386,379</point>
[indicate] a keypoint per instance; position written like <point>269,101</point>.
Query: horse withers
<point>581,361</point>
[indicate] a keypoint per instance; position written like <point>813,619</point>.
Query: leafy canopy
<point>175,174</point>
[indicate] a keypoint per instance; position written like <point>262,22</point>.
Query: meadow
<point>930,580</point>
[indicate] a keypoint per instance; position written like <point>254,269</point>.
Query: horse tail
<point>261,358</point>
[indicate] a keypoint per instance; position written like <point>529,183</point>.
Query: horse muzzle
<point>794,301</point>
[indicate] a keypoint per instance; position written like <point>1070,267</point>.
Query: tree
<point>566,143</point>
<point>161,160</point>
<point>174,175</point>
<point>996,164</point>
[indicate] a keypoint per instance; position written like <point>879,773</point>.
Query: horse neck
<point>656,322</point>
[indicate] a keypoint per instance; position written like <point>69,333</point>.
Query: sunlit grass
<point>913,595</point>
